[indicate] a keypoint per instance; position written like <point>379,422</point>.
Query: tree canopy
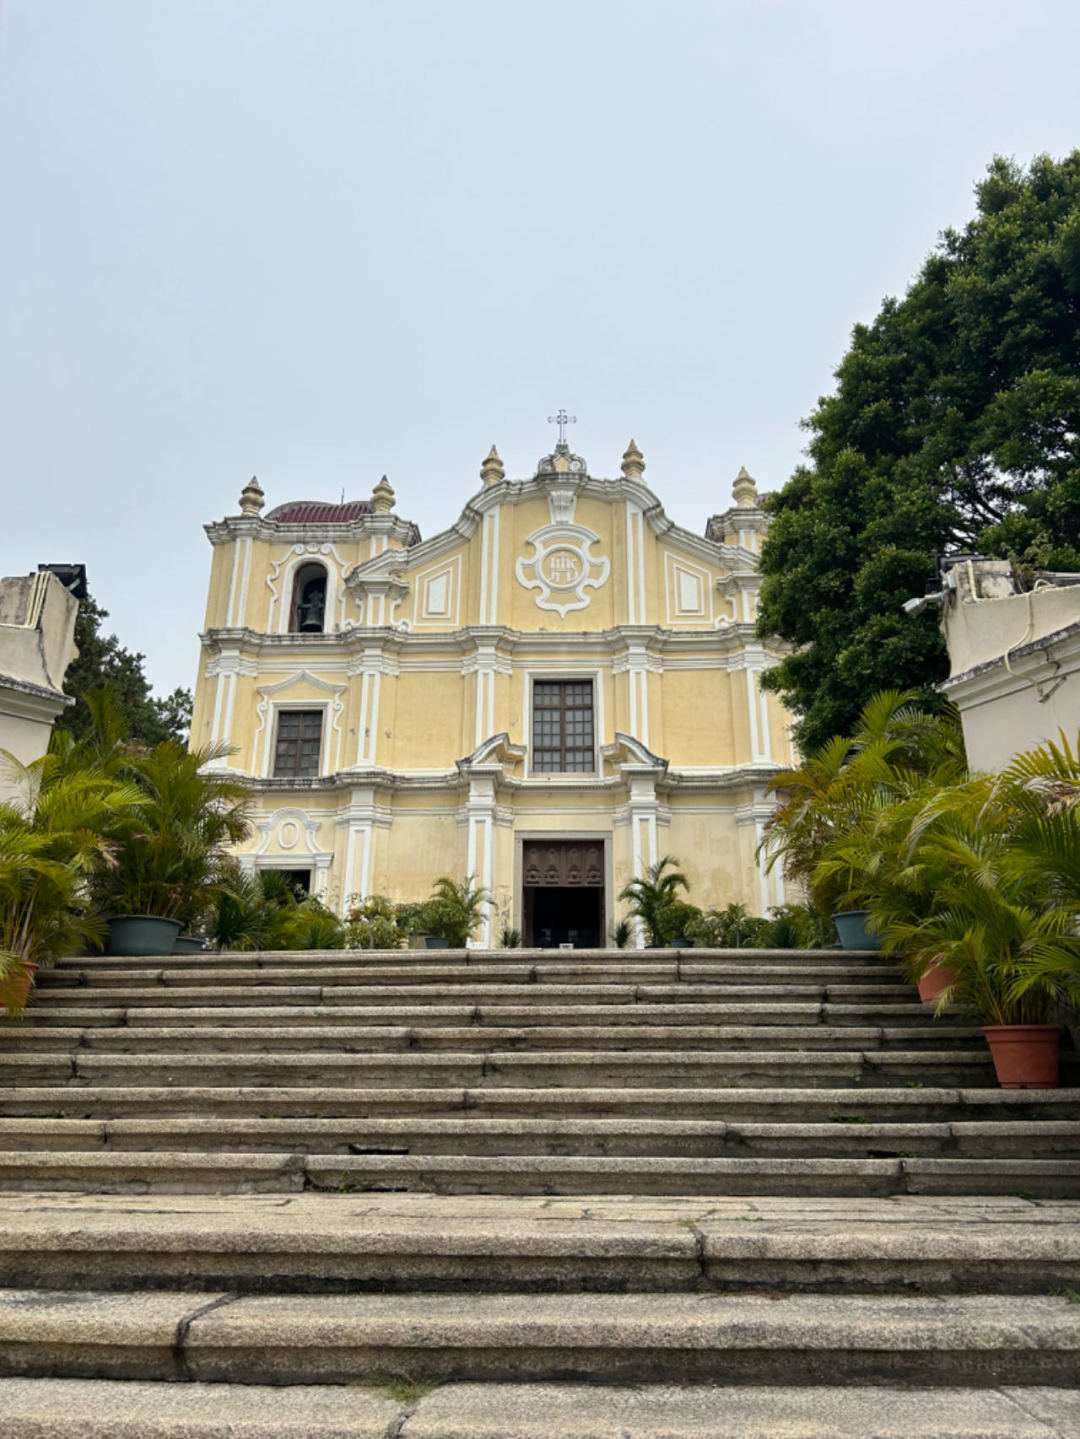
<point>955,425</point>
<point>102,660</point>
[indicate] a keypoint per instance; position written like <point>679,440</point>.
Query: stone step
<point>123,996</point>
<point>209,1039</point>
<point>985,1139</point>
<point>916,1104</point>
<point>45,1015</point>
<point>540,1069</point>
<point>107,1409</point>
<point>573,1411</point>
<point>553,972</point>
<point>473,958</point>
<point>416,1243</point>
<point>219,1337</point>
<point>199,1172</point>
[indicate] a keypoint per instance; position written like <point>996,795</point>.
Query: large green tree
<point>102,660</point>
<point>955,425</point>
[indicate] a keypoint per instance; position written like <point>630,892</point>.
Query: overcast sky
<point>317,240</point>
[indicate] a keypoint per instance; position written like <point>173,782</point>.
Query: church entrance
<point>563,893</point>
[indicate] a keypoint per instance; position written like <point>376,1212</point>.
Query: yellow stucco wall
<point>430,653</point>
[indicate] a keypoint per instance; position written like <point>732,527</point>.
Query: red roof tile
<point>316,512</point>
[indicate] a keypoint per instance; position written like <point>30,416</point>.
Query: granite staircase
<point>526,1193</point>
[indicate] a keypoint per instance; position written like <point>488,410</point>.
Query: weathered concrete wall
<point>1014,660</point>
<point>37,643</point>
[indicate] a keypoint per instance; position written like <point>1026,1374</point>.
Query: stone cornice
<point>739,517</point>
<point>469,638</point>
<point>1052,658</point>
<point>235,527</point>
<point>512,492</point>
<point>30,701</point>
<point>669,780</point>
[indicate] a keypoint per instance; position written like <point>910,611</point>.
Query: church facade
<point>548,696</point>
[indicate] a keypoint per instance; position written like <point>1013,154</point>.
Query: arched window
<point>309,601</point>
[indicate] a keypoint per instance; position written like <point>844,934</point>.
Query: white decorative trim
<point>562,569</point>
<point>292,826</point>
<point>633,616</point>
<point>489,569</point>
<point>634,751</point>
<point>448,575</point>
<point>280,584</point>
<point>496,750</point>
<point>642,601</point>
<point>562,502</point>
<point>269,705</point>
<point>595,676</point>
<point>683,603</point>
<point>300,826</point>
<point>230,602</point>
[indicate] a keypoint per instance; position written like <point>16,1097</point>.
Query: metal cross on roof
<point>562,419</point>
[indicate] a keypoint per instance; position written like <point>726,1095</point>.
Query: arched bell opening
<point>308,613</point>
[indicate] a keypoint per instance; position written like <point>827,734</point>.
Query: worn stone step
<point>472,958</point>
<point>798,1177</point>
<point>562,972</point>
<point>411,1243</point>
<point>499,1068</point>
<point>220,996</point>
<point>199,1172</point>
<point>603,1136</point>
<point>109,1409</point>
<point>473,996</point>
<point>983,1340</point>
<point>573,1411</point>
<point>972,1139</point>
<point>345,973</point>
<point>345,1136</point>
<point>919,1103</point>
<point>114,1409</point>
<point>908,1014</point>
<point>207,1039</point>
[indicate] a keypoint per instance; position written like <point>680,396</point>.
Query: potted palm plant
<point>1004,918</point>
<point>168,858</point>
<point>835,829</point>
<point>652,898</point>
<point>454,912</point>
<point>51,841</point>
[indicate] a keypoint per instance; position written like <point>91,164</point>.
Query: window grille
<point>299,743</point>
<point>563,726</point>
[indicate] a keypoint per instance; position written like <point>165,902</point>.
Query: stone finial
<point>744,490</point>
<point>633,462</point>
<point>382,497</point>
<point>252,498</point>
<point>491,471</point>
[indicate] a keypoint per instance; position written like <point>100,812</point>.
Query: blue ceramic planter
<point>142,934</point>
<point>184,944</point>
<point>851,927</point>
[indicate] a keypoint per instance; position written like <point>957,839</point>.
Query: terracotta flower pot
<point>1025,1055</point>
<point>15,988</point>
<point>938,977</point>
